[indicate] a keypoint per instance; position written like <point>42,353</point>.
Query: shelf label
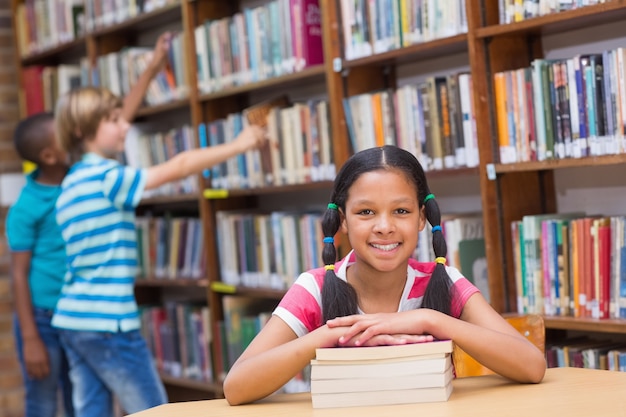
<point>491,172</point>
<point>337,65</point>
<point>215,193</point>
<point>223,288</point>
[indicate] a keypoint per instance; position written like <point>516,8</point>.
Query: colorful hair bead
<point>329,267</point>
<point>329,240</point>
<point>440,260</point>
<point>332,206</point>
<point>436,228</point>
<point>429,197</point>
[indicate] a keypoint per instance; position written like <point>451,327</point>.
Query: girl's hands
<point>382,329</point>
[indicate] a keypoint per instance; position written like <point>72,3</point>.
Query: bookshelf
<point>515,190</point>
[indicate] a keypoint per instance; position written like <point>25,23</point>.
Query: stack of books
<point>382,375</point>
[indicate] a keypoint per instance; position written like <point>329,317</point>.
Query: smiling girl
<point>377,294</point>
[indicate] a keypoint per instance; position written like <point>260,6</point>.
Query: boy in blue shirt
<point>37,268</point>
<point>38,258</point>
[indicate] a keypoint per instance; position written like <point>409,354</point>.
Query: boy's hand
<point>252,137</point>
<point>161,50</point>
<point>35,358</point>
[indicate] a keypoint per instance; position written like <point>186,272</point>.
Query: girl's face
<point>382,220</point>
<point>109,139</point>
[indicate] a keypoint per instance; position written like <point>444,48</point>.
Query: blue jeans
<point>41,395</point>
<point>104,364</point>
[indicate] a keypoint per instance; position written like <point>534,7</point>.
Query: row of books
<point>271,250</point>
<point>517,11</point>
<point>299,149</point>
<point>464,234</point>
<point>558,109</point>
<point>382,375</point>
<point>583,352</point>
<point>179,336</point>
<point>434,120</point>
<point>570,265</point>
<point>243,319</point>
<point>143,150</point>
<point>268,250</point>
<point>375,26</point>
<point>277,38</point>
<point>42,85</point>
<point>103,13</point>
<point>44,24</point>
<point>170,247</point>
<point>119,71</point>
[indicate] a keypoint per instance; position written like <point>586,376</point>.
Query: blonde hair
<point>78,115</point>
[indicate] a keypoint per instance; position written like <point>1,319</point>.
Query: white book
<point>370,398</point>
<point>436,363</point>
<point>383,352</point>
<point>378,383</point>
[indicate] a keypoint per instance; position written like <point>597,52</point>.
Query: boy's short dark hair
<point>29,137</point>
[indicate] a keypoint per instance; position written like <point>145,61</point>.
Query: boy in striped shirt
<point>97,313</point>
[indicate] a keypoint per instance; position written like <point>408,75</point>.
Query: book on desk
<point>382,375</point>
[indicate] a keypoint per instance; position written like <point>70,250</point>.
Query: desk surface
<point>567,392</point>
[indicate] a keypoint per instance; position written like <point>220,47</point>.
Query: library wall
<point>11,392</point>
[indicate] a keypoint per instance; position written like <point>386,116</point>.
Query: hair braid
<point>437,295</point>
<point>338,297</point>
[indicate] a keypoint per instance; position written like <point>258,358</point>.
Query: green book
<point>474,264</point>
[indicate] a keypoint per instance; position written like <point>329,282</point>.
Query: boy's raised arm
<point>133,100</point>
<point>194,161</point>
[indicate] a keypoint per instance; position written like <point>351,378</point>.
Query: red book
<point>33,90</point>
<point>306,33</point>
<point>604,255</point>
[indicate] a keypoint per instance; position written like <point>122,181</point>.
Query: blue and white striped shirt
<point>96,213</point>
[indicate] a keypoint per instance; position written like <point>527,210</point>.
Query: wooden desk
<point>565,392</point>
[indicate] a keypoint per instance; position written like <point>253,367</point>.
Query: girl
<point>377,295</point>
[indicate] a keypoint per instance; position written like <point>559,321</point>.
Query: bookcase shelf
<point>311,74</point>
<point>586,325</point>
<point>209,387</point>
<point>169,199</point>
<point>420,51</point>
<point>282,189</point>
<point>611,11</point>
<point>452,173</point>
<point>158,109</point>
<point>169,282</point>
<point>561,163</point>
<point>226,289</point>
<point>56,54</point>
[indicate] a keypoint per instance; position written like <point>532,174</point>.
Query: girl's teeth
<point>386,247</point>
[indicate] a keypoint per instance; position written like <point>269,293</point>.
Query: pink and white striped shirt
<point>301,307</point>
